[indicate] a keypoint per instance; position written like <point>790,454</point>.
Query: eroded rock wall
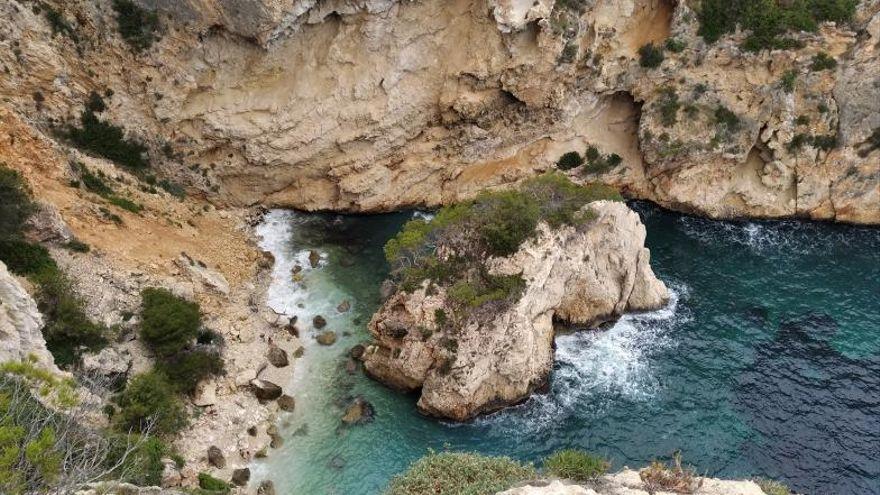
<point>375,105</point>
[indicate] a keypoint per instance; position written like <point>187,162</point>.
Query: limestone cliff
<point>491,358</point>
<point>627,482</point>
<point>371,105</point>
<point>20,324</point>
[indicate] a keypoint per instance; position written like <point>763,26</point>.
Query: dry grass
<point>672,477</point>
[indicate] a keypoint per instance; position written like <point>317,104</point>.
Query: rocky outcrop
<point>20,324</point>
<point>581,275</point>
<point>628,482</point>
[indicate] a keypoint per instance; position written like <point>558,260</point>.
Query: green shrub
<point>598,164</point>
<point>650,56</point>
<point>509,219</point>
<point>675,45</point>
<point>788,80</point>
<point>168,323</point>
<point>451,473</point>
<point>94,183</point>
<point>489,288</point>
<point>592,154</point>
<point>67,329</point>
<point>212,484</point>
<point>95,103</point>
<point>150,401</point>
<point>77,246</point>
<point>125,204</point>
<point>16,205</point>
<point>576,465</point>
<point>58,23</point>
<point>108,141</point>
<point>770,487</point>
<point>668,105</point>
<point>185,370</point>
<point>136,25</point>
<point>173,188</point>
<point>825,142</point>
<point>769,20</point>
<point>802,120</point>
<point>726,119</point>
<point>822,61</point>
<point>25,258</point>
<point>570,160</point>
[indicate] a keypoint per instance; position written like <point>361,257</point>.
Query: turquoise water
<point>765,363</point>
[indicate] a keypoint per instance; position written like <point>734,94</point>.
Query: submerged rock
<point>498,355</point>
<point>286,403</point>
<point>319,322</point>
<point>314,258</point>
<point>344,306</point>
<point>327,337</point>
<point>358,412</point>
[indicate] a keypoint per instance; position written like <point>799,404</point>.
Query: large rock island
<point>471,323</point>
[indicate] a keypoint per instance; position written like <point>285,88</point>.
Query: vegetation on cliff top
<point>576,465</point>
<point>449,249</point>
<point>455,473</point>
<point>768,21</point>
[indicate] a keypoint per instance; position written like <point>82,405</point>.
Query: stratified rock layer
<point>583,275</point>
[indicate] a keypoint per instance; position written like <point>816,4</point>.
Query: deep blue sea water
<point>765,363</point>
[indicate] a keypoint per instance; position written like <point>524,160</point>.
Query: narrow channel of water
<point>765,363</point>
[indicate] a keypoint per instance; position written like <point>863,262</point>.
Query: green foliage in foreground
<point>770,487</point>
<point>576,465</point>
<point>454,473</point>
<point>650,56</point>
<point>768,21</point>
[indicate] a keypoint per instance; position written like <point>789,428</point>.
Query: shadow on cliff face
<point>816,407</point>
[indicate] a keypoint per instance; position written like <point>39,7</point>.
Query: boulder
<point>265,390</point>
<point>327,337</point>
<point>266,488</point>
<point>286,403</point>
<point>314,258</point>
<point>240,477</point>
<point>319,322</point>
<point>216,457</point>
<point>277,357</point>
<point>357,351</point>
<point>206,394</point>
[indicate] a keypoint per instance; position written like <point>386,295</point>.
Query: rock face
<point>379,121</point>
<point>627,482</point>
<point>20,324</point>
<point>583,276</point>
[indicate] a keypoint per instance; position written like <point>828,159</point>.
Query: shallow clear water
<point>765,363</point>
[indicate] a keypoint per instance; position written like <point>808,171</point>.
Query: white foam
<point>595,368</point>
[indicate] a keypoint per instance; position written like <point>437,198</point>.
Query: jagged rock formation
<point>374,105</point>
<point>627,482</point>
<point>494,358</point>
<point>20,324</point>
